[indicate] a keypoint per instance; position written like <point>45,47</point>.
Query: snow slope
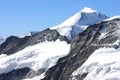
<point>41,55</point>
<point>103,64</point>
<point>79,22</point>
<point>111,18</point>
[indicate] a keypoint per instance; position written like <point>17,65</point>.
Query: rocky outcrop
<point>15,74</point>
<point>14,44</point>
<point>82,46</point>
<point>19,74</point>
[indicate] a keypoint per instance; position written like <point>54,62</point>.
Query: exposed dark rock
<point>20,74</point>
<point>33,73</point>
<point>14,44</point>
<point>82,46</point>
<point>33,32</point>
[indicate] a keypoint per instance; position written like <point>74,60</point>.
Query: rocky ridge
<point>14,43</point>
<point>82,46</point>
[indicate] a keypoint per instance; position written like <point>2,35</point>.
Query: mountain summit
<point>88,10</point>
<point>79,22</point>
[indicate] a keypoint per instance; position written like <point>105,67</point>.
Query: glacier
<point>38,56</point>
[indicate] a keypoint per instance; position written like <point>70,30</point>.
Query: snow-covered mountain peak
<point>73,20</point>
<point>88,10</point>
<point>79,22</point>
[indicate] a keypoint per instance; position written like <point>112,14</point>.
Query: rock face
<point>14,44</point>
<point>15,74</point>
<point>83,45</point>
<point>20,74</point>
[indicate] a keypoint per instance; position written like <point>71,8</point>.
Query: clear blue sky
<point>21,16</point>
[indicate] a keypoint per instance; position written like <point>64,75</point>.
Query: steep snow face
<point>38,56</point>
<point>79,22</point>
<point>111,18</point>
<point>103,64</point>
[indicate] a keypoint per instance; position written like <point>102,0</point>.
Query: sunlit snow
<point>103,64</point>
<point>41,55</point>
<point>111,18</point>
<point>88,10</point>
<point>79,22</point>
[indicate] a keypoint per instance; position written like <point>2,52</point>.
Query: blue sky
<point>21,16</point>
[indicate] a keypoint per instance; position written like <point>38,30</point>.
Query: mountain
<point>31,56</point>
<point>104,62</point>
<point>84,47</point>
<point>94,54</point>
<point>14,43</point>
<point>34,60</point>
<point>79,22</point>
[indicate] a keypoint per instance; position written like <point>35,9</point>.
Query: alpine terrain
<point>84,47</point>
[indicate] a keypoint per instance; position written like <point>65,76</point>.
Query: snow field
<point>103,64</point>
<point>41,55</point>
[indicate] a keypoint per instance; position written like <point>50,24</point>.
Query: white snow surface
<point>88,10</point>
<point>103,64</point>
<point>79,22</point>
<point>41,55</point>
<point>111,18</point>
